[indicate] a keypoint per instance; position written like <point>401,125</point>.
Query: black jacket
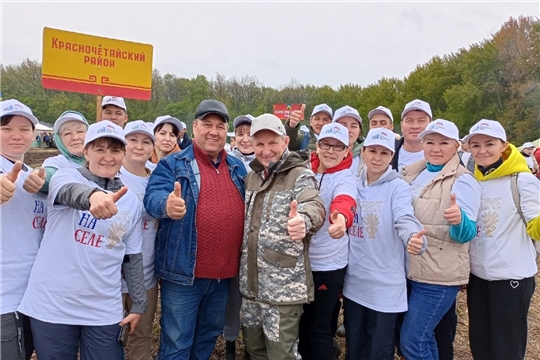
<point>395,160</point>
<point>185,142</point>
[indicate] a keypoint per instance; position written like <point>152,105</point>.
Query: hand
<point>452,215</point>
<point>132,320</point>
<point>296,116</point>
<point>338,225</point>
<point>35,181</point>
<point>296,225</point>
<point>416,242</point>
<point>176,206</point>
<point>7,182</point>
<point>103,205</point>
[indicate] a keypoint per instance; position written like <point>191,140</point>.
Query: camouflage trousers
<point>270,331</point>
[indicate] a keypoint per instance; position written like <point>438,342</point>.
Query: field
<point>461,345</point>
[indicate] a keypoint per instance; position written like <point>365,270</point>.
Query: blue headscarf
<point>79,160</point>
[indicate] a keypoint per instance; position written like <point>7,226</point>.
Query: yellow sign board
<point>96,65</point>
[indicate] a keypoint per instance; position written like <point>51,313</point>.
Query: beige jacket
<point>445,262</point>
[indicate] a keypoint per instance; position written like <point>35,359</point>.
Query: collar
<point>344,164</point>
<point>104,183</point>
<point>24,167</point>
<point>490,168</point>
<point>201,155</point>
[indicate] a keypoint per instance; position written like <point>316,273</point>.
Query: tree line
<point>497,78</point>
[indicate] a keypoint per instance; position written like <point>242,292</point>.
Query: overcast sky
<point>313,42</point>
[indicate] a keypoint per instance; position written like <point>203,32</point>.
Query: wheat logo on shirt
<point>490,218</point>
<point>116,232</point>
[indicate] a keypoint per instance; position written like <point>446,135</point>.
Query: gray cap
<point>243,119</point>
<point>211,106</point>
<point>267,122</point>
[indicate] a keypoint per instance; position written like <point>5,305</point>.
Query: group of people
<point>45,138</point>
<point>270,238</point>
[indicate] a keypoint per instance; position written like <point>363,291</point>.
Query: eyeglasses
<point>336,147</point>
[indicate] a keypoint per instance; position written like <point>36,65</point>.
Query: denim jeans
<point>192,317</point>
<point>60,341</point>
<point>427,305</point>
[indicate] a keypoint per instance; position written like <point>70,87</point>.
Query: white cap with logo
<point>140,127</point>
<point>169,119</point>
<point>417,105</point>
<point>382,137</point>
<point>15,107</point>
<point>113,100</point>
<point>104,128</point>
<point>322,108</point>
<point>69,115</point>
<point>528,145</point>
<point>486,127</point>
<point>347,111</point>
<point>335,131</point>
<point>443,127</point>
<point>381,110</point>
<point>267,122</point>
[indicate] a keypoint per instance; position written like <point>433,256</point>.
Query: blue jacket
<point>176,241</point>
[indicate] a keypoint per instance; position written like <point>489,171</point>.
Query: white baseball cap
<point>267,122</point>
<point>168,119</point>
<point>113,100</point>
<point>381,110</point>
<point>528,145</point>
<point>140,127</point>
<point>104,128</point>
<point>382,137</point>
<point>184,126</point>
<point>417,105</point>
<point>322,108</point>
<point>486,127</point>
<point>66,116</point>
<point>440,126</point>
<point>15,107</point>
<point>347,111</point>
<point>335,131</point>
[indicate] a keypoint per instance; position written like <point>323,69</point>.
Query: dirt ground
<point>35,157</point>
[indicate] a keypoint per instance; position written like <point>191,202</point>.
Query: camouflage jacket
<point>273,268</point>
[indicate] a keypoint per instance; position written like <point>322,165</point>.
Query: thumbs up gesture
<point>7,182</point>
<point>176,206</point>
<point>35,181</point>
<point>415,242</point>
<point>452,215</point>
<point>338,225</point>
<point>103,205</point>
<point>296,116</point>
<point>296,225</point>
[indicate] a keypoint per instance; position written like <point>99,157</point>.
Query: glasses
<point>336,147</point>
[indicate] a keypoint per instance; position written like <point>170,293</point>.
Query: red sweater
<point>219,220</point>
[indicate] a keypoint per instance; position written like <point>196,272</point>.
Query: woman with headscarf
<point>69,132</point>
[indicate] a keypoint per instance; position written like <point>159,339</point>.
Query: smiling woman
<point>69,133</point>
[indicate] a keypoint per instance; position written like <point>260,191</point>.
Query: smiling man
<point>198,197</point>
<point>114,108</point>
<point>414,119</point>
<point>283,211</point>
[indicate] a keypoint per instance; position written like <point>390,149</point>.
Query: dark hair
<point>175,130</point>
<point>107,142</point>
<point>5,120</point>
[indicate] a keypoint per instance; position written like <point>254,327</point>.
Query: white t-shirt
<point>376,275</point>
<point>465,156</point>
<point>326,253</point>
<point>466,188</point>
<point>502,249</point>
<point>150,224</point>
<point>76,278</point>
<point>357,165</point>
<point>407,158</point>
<point>60,162</point>
<point>23,220</point>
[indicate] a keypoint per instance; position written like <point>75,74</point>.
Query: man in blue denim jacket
<point>198,197</point>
